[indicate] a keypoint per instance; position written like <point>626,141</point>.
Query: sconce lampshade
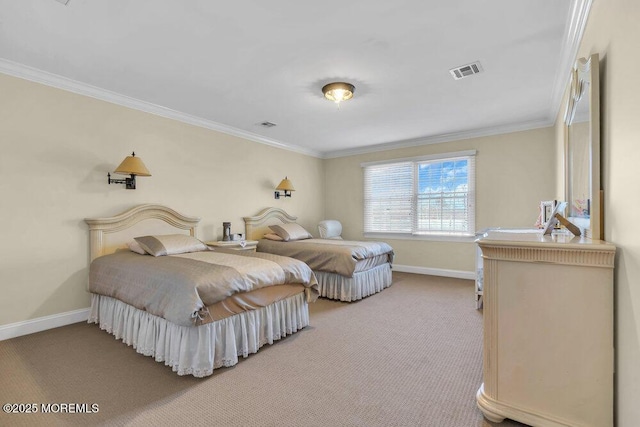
<point>285,185</point>
<point>132,165</point>
<point>338,91</point>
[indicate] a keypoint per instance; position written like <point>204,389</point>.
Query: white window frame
<point>467,236</point>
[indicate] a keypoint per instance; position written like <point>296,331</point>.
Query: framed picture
<point>546,210</point>
<point>553,221</point>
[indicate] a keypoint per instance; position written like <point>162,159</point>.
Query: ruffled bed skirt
<point>361,285</point>
<point>198,350</point>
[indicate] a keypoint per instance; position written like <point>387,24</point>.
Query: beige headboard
<point>257,226</point>
<point>106,235</point>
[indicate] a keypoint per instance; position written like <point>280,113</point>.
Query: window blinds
<point>421,196</point>
<point>388,198</point>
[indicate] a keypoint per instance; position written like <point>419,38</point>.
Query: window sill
<point>432,237</point>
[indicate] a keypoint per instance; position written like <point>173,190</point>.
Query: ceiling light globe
<point>337,95</point>
<point>338,92</point>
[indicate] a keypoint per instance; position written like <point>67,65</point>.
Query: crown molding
<point>39,76</point>
<point>574,30</point>
<point>437,139</point>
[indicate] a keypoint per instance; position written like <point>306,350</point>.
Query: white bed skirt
<point>361,285</point>
<point>198,350</point>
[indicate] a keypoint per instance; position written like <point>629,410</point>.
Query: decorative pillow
<point>290,231</point>
<point>170,244</point>
<point>135,247</point>
<point>273,236</point>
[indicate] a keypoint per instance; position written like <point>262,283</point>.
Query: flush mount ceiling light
<point>338,91</point>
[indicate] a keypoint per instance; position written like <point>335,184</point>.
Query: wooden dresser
<point>548,329</point>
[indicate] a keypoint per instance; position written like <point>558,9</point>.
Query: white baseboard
<point>458,274</point>
<point>13,330</point>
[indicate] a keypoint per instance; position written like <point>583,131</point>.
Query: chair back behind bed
<point>330,229</point>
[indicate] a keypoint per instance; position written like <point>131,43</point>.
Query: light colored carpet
<point>408,356</point>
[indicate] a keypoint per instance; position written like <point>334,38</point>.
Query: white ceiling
<point>232,65</point>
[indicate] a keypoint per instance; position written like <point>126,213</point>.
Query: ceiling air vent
<point>466,70</point>
<point>267,124</point>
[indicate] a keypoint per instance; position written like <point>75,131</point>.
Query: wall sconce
<point>286,186</point>
<point>133,166</point>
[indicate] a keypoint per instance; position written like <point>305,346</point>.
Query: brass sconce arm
<point>130,183</point>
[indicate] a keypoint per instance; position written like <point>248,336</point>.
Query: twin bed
<point>197,309</point>
<point>171,307</point>
<point>346,270</point>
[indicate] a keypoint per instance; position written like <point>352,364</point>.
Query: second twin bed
<point>346,270</point>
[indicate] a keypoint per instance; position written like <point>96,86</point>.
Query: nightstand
<point>235,245</point>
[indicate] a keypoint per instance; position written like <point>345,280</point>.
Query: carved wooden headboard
<point>106,235</point>
<point>257,226</point>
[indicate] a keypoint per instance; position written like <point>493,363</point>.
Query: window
<point>428,196</point>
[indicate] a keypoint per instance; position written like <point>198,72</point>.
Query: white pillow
<point>135,247</point>
<point>273,236</point>
<point>290,231</point>
<point>170,244</point>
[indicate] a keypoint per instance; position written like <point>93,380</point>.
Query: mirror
<point>582,148</point>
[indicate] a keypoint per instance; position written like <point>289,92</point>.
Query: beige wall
<point>514,172</point>
<point>613,32</point>
<point>57,148</point>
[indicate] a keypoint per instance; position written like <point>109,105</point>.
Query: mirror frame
<point>585,81</point>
